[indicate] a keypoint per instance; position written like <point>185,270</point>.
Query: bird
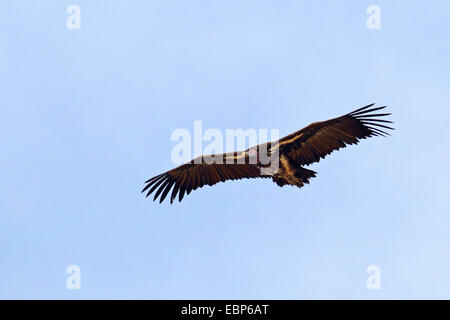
<point>293,152</point>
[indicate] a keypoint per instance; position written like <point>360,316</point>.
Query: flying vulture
<point>293,152</point>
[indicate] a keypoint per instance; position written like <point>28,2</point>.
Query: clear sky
<point>87,116</point>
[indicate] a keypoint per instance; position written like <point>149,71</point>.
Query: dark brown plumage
<point>298,149</point>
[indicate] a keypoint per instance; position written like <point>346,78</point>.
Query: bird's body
<point>291,174</point>
<point>283,161</point>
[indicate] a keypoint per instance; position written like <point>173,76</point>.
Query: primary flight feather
<point>294,151</point>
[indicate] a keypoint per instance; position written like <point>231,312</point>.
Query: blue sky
<point>87,117</point>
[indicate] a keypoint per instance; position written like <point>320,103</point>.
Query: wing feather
<point>319,139</point>
<point>191,176</point>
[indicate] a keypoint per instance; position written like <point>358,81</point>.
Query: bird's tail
<point>304,175</point>
<point>300,177</point>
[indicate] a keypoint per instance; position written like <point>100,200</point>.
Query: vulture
<point>283,161</point>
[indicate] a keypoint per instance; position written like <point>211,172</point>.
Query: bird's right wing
<point>199,172</point>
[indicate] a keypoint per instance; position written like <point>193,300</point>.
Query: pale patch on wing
<point>298,136</point>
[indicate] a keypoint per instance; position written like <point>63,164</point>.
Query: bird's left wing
<point>319,139</point>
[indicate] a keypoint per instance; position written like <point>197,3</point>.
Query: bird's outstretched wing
<point>319,139</point>
<point>199,172</point>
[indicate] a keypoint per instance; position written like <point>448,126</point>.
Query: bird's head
<point>253,156</point>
